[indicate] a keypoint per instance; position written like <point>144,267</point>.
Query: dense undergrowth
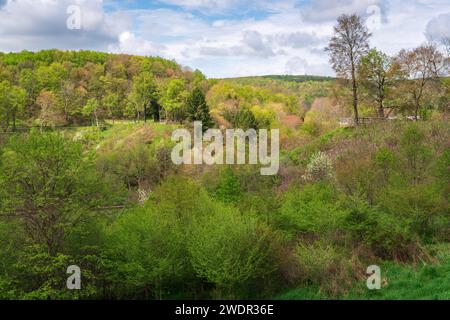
<point>112,202</point>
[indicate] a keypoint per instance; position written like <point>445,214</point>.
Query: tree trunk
<point>381,110</point>
<point>355,101</point>
<point>96,118</point>
<point>355,93</point>
<point>416,112</point>
<point>145,113</point>
<point>381,99</point>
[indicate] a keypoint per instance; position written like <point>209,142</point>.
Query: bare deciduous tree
<point>419,67</point>
<point>446,43</point>
<point>349,43</point>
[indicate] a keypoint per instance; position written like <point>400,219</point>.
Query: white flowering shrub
<point>320,168</point>
<point>143,196</point>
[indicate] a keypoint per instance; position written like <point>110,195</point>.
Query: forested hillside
<point>84,181</point>
<point>56,88</point>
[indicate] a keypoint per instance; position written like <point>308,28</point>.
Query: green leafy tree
<point>71,99</point>
<point>377,74</point>
<point>143,93</point>
<point>51,77</point>
<point>314,209</point>
<point>242,118</point>
<point>47,185</point>
<point>417,154</point>
<point>174,101</point>
<point>112,103</point>
<point>17,103</point>
<point>12,102</point>
<point>28,81</point>
<point>91,109</point>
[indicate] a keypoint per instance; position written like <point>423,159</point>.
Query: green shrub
<point>325,265</point>
<point>443,171</point>
<point>137,165</point>
<point>416,153</point>
<point>384,234</point>
<point>181,198</point>
<point>313,209</point>
<point>421,208</point>
<point>231,251</point>
<point>312,128</point>
<point>229,189</point>
<point>146,253</point>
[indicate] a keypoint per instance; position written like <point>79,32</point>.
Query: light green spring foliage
<point>313,210</point>
<point>180,234</point>
<point>229,189</point>
<point>121,85</point>
<point>12,104</point>
<point>146,250</point>
<point>143,91</point>
<point>46,176</point>
<point>229,249</point>
<point>175,100</point>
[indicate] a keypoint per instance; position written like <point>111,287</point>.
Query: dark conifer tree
<point>197,108</point>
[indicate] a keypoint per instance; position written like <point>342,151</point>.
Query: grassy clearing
<point>401,282</point>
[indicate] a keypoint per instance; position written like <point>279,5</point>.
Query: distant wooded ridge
<point>290,78</point>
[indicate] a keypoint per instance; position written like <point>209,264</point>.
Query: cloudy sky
<point>223,38</point>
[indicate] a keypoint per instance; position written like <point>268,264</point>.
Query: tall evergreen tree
<point>197,108</point>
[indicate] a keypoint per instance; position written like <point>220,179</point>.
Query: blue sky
<point>223,38</point>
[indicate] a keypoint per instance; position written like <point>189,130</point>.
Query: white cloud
<point>225,6</point>
<point>324,10</point>
<point>130,44</point>
<point>204,4</point>
<point>439,27</point>
<point>406,24</point>
<point>41,24</point>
